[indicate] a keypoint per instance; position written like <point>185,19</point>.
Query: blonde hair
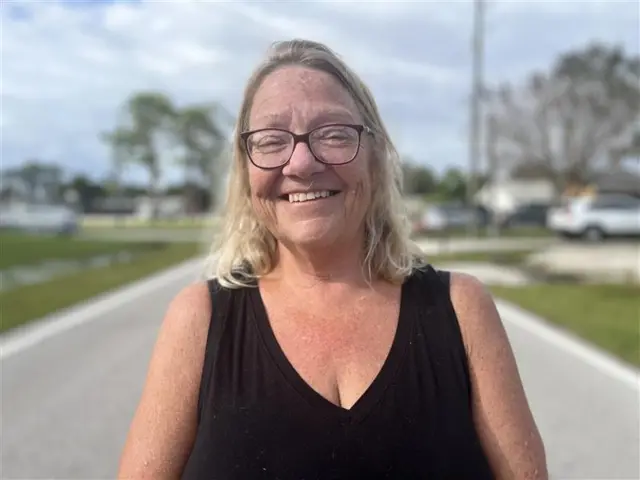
<point>245,250</point>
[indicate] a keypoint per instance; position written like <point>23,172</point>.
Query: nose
<point>302,163</point>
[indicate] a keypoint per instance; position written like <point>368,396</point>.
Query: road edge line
<point>568,342</point>
<point>39,330</point>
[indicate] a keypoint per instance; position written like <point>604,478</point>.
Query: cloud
<point>67,67</point>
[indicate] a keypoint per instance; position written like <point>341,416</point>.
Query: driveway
<point>434,246</point>
<point>608,260</point>
<point>69,391</point>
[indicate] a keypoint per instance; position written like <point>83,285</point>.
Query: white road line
<point>14,342</point>
<point>589,354</point>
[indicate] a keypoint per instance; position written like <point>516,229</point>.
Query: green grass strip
<point>24,250</point>
<point>30,302</point>
<point>606,315</point>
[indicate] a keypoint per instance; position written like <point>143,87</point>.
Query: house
<point>620,181</point>
<point>168,206</point>
<point>504,195</point>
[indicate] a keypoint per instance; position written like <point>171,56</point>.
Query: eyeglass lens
<point>333,144</point>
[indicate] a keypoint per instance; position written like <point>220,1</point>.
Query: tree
<point>36,181</point>
<point>87,190</point>
<point>418,179</point>
<point>569,119</point>
<point>629,149</point>
<point>146,130</point>
<point>453,185</point>
<point>197,130</point>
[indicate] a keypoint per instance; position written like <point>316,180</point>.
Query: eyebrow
<point>282,120</point>
<point>334,115</point>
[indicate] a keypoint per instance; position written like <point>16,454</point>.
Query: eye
<point>268,140</point>
<point>336,135</point>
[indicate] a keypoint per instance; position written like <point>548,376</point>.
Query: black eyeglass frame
<point>306,139</point>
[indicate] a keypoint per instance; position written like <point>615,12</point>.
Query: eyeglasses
<point>336,144</point>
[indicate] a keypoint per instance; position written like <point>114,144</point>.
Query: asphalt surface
<point>67,401</point>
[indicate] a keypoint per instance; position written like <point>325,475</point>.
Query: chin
<point>313,234</point>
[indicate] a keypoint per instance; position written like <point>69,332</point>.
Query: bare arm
<point>163,428</point>
<point>502,415</point>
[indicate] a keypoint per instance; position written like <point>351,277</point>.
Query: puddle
<point>33,274</point>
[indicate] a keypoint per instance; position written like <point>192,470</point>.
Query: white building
<point>505,195</point>
<point>168,207</point>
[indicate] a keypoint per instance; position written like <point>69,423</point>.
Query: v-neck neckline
<point>374,391</point>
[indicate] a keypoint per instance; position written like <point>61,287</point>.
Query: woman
<point>324,346</point>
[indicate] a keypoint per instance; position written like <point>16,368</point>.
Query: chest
<point>337,346</point>
<point>309,394</point>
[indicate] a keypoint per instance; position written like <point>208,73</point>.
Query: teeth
<point>303,197</point>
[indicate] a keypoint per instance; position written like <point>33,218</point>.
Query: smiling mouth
<point>308,196</point>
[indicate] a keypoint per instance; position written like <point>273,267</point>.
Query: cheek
<point>261,183</point>
<point>262,186</point>
<point>360,181</point>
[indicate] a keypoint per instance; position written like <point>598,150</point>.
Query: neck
<point>327,265</point>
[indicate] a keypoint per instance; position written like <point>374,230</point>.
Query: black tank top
<point>258,419</point>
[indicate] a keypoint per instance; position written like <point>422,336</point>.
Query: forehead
<point>299,95</point>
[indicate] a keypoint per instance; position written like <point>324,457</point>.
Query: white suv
<point>596,217</point>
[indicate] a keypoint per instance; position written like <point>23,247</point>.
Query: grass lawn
<point>606,315</point>
<point>127,223</point>
<point>30,302</point>
<point>510,257</point>
<point>146,234</point>
<point>22,249</point>
<point>515,232</point>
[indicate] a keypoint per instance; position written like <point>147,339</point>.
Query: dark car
<point>529,215</point>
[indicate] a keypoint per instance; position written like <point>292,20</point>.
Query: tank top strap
<point>221,310</point>
<point>441,321</point>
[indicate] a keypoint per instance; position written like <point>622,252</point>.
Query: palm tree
<point>198,131</point>
<point>149,118</point>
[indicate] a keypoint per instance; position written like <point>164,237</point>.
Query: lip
<point>291,192</point>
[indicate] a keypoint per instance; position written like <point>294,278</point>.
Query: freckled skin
<point>301,99</point>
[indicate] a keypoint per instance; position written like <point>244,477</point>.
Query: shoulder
<point>193,299</point>
<point>164,425</point>
<point>476,311</point>
<point>504,420</point>
<point>184,329</point>
<point>191,307</point>
<point>468,292</point>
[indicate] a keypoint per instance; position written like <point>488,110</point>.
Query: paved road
<point>67,401</point>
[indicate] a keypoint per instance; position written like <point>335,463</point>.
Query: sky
<point>68,67</point>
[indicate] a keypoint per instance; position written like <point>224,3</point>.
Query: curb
<point>36,331</point>
<point>588,353</point>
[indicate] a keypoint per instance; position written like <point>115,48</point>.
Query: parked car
<point>596,217</point>
<point>450,216</point>
<point>38,218</point>
<point>528,215</point>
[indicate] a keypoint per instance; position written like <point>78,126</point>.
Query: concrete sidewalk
<point>489,273</point>
<point>614,261</point>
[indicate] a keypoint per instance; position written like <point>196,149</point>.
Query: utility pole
<point>475,107</point>
<point>492,166</point>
